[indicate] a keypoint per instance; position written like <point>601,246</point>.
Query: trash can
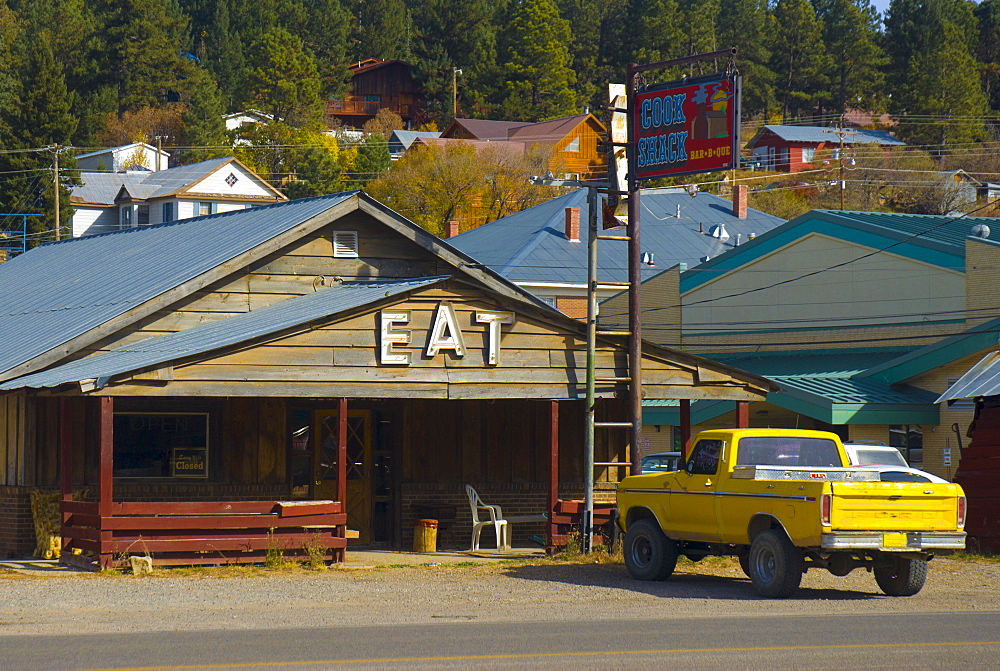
<point>425,536</point>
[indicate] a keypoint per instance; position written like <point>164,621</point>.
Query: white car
<point>870,454</point>
<point>903,474</point>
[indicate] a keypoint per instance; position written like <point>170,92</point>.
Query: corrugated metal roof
<point>56,292</point>
<point>550,131</point>
<point>983,379</point>
<point>400,140</point>
<point>160,350</point>
<point>531,245</point>
<point>489,129</point>
<point>830,374</point>
<point>101,188</point>
<point>940,228</point>
<point>818,134</point>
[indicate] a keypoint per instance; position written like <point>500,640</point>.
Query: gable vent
<point>345,244</point>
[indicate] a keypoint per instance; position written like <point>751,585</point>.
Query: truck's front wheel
<point>775,564</point>
<point>649,555</point>
<point>902,577</point>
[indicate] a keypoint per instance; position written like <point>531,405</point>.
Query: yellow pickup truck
<point>784,501</point>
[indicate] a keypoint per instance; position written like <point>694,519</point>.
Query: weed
<point>967,556</point>
<point>316,550</point>
<point>275,553</point>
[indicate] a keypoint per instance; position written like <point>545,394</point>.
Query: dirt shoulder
<point>513,590</point>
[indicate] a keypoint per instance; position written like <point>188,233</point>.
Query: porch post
<point>339,553</point>
<point>105,474</point>
<point>685,426</point>
<point>65,463</point>
<point>742,414</point>
<point>550,545</point>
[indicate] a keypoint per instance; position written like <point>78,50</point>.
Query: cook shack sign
<point>687,126</point>
<point>445,334</point>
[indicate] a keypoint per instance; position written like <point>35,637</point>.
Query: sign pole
<point>634,282</point>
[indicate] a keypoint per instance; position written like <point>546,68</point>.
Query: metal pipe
<point>588,452</point>
<point>635,282</point>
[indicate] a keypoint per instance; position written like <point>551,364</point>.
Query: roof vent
<point>719,231</point>
<point>980,231</point>
<point>647,258</point>
<point>345,244</point>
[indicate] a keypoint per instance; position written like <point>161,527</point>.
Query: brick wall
<point>17,532</point>
<point>572,307</point>
<point>982,296</point>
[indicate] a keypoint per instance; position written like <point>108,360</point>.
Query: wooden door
<point>359,467</point>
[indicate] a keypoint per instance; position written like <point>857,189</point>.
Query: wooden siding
<point>588,161</point>
<point>16,430</point>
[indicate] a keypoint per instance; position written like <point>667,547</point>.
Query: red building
<point>795,148</point>
<point>375,85</point>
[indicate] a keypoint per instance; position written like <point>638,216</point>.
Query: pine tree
<point>749,26</point>
<point>372,160</point>
<point>988,51</point>
<point>536,63</point>
<point>204,133</point>
<point>851,30</point>
<point>315,166</point>
<point>799,59</point>
<point>381,29</point>
<point>284,81</point>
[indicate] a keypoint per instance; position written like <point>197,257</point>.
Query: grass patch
<point>975,557</point>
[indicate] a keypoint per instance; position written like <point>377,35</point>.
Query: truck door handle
<point>708,483</point>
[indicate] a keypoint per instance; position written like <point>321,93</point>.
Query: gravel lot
<point>493,591</point>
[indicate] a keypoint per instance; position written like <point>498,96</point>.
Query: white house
<point>112,201</point>
<point>138,155</point>
<point>239,119</point>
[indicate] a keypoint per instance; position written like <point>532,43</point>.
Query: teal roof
<point>932,239</point>
<point>825,385</point>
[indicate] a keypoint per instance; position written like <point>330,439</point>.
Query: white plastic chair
<point>495,518</point>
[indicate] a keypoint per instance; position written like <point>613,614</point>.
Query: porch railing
<point>202,532</point>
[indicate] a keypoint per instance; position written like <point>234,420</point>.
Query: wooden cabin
<point>377,84</point>
<point>273,378</point>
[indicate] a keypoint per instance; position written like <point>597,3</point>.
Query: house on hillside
<point>131,198</point>
<point>572,141</point>
<point>544,249</point>
<point>377,84</point>
<point>863,319</point>
<point>401,140</point>
<point>246,118</point>
<point>795,148</point>
<point>138,156</point>
<point>284,375</point>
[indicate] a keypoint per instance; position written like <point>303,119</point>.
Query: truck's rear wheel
<point>649,555</point>
<point>902,577</point>
<point>775,564</point>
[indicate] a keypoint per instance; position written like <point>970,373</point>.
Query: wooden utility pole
<point>55,168</point>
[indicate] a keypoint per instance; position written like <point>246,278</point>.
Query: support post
<point>340,553</point>
<point>553,502</point>
<point>587,524</point>
<point>742,414</point>
<point>685,426</point>
<point>105,478</point>
<point>65,462</point>
<point>635,285</point>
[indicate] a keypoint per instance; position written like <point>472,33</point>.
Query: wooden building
<point>377,84</point>
<point>274,377</point>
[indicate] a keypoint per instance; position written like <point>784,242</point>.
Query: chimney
<point>451,229</point>
<point>573,224</point>
<point>740,201</point>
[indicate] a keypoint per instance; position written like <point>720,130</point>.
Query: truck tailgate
<point>894,506</point>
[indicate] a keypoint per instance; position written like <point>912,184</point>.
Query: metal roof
<point>101,188</point>
<point>275,318</point>
<point>820,134</point>
<point>531,245</point>
<point>983,379</point>
<point>400,140</point>
<point>59,291</point>
<point>939,228</point>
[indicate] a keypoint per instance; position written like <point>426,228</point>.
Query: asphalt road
<point>900,640</point>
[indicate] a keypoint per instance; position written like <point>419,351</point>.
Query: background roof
<point>531,245</point>
<point>817,134</point>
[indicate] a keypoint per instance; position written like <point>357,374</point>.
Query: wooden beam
<point>551,528</point>
<point>105,474</point>
<point>65,452</point>
<point>742,414</point>
<point>340,553</point>
<point>685,426</point>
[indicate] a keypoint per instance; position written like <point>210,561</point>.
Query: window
<point>787,451</point>
<point>201,209</point>
<point>345,244</point>
<point>142,218</point>
<point>808,154</point>
<point>161,445</point>
<point>574,144</point>
<point>908,439</point>
<point>705,457</point>
<point>168,212</point>
<point>125,217</point>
